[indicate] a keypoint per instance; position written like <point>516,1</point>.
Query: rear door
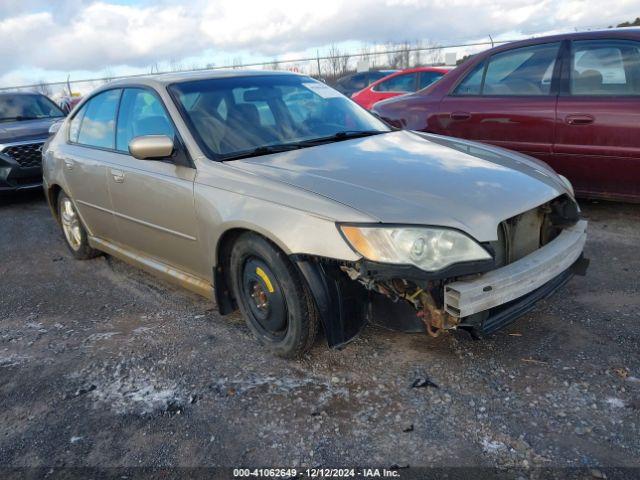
<point>85,157</point>
<point>597,144</point>
<point>152,200</point>
<point>508,100</point>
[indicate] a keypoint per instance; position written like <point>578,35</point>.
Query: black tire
<point>80,249</point>
<point>272,296</point>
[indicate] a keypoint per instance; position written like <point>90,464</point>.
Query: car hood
<point>411,178</point>
<point>25,130</point>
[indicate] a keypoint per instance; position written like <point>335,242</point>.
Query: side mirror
<point>151,147</point>
<point>54,127</point>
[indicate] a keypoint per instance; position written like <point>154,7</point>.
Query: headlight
<point>567,183</point>
<point>427,248</point>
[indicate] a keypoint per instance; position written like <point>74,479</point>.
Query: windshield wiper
<point>284,147</point>
<point>264,150</point>
<point>344,135</point>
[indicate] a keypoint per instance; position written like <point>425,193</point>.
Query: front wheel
<point>272,297</point>
<point>74,232</point>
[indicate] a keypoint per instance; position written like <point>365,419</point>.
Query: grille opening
<point>525,233</point>
<point>28,155</point>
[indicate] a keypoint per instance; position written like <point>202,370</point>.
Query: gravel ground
<point>102,365</point>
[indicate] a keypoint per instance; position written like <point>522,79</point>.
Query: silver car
<point>275,194</point>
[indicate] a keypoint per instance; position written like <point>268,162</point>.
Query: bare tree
<point>344,63</point>
<point>367,54</point>
<point>107,75</point>
<point>237,62</point>
<point>398,55</point>
<point>430,53</point>
<point>175,65</point>
<point>337,62</point>
<point>44,88</point>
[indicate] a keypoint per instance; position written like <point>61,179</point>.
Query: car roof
<point>619,33</point>
<point>410,70</point>
<point>425,69</point>
<point>164,79</point>
<point>14,94</point>
<point>382,70</point>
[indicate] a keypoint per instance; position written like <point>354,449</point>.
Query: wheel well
<point>221,275</point>
<point>52,197</point>
<point>341,319</point>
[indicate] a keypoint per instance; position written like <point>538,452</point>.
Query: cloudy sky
<point>48,40</point>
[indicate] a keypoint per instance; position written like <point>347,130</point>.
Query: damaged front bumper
<point>481,300</point>
<point>466,297</point>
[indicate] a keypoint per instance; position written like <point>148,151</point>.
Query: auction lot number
<point>314,472</point>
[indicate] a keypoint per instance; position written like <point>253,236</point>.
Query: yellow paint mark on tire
<point>265,278</point>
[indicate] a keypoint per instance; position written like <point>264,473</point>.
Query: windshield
<point>232,116</point>
<point>27,107</point>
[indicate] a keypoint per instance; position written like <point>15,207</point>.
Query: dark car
<point>570,100</point>
<point>25,119</point>
<point>350,84</point>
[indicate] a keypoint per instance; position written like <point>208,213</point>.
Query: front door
<point>509,100</point>
<point>152,200</point>
<point>597,144</point>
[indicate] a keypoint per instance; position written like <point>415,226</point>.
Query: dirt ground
<point>102,365</point>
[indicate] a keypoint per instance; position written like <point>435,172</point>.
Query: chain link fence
<point>327,67</point>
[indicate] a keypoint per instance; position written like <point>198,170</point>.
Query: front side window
<point>141,113</point>
<point>472,84</point>
<point>522,71</point>
<point>74,125</point>
<point>233,116</point>
<point>97,128</point>
<point>16,107</point>
<point>605,67</point>
<point>400,83</point>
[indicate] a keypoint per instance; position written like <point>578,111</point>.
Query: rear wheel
<point>74,232</point>
<point>272,297</point>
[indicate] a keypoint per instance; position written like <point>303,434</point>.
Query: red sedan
<point>570,100</point>
<point>399,83</point>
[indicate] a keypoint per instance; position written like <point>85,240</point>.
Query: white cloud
<point>71,35</point>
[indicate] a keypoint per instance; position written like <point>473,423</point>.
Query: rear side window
<point>141,113</point>
<point>427,78</point>
<point>521,71</point>
<point>400,83</point>
<point>605,67</point>
<point>97,128</point>
<point>377,75</point>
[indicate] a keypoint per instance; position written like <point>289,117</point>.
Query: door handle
<point>578,119</point>
<point>118,175</point>
<point>460,115</point>
<point>68,163</point>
